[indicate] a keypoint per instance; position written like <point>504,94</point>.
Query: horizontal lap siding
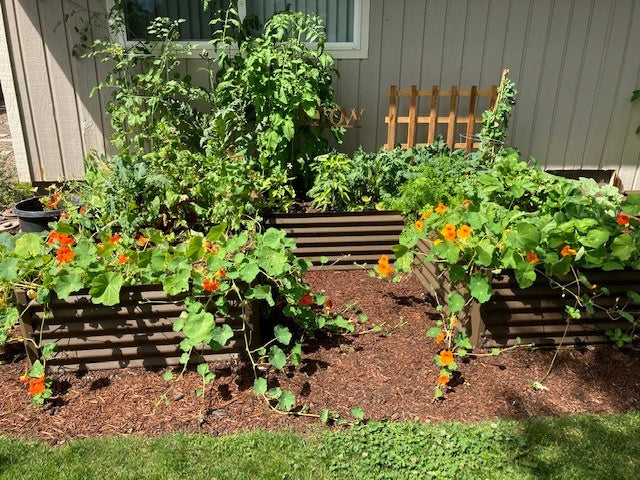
<point>575,63</point>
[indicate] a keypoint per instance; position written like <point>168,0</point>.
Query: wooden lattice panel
<point>433,119</point>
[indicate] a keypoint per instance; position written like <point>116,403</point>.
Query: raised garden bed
<point>536,314</point>
<point>345,238</point>
<point>138,332</point>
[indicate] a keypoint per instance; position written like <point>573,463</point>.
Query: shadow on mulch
<point>390,374</point>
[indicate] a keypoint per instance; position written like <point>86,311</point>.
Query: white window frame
<point>358,49</point>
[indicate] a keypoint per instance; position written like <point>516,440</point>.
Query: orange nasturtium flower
<point>64,216</point>
<point>446,357</point>
<point>122,259</point>
<point>143,240</point>
<point>54,203</point>
<point>210,285</point>
<point>440,337</point>
<point>464,231</point>
<point>425,215</point>
<point>532,258</point>
<point>454,321</point>
<point>64,255</point>
<point>419,225</point>
<point>221,273</point>
<point>567,251</point>
<point>36,387</point>
<point>62,238</point>
<point>443,379</point>
<point>306,299</point>
<point>211,247</point>
<point>440,208</point>
<point>115,238</point>
<point>466,203</point>
<point>449,232</point>
<point>383,266</point>
<point>24,378</point>
<point>623,219</point>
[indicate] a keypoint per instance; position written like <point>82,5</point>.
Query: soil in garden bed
<point>390,374</point>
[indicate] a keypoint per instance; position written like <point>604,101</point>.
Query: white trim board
<point>12,106</point>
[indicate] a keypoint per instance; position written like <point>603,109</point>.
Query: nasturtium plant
<point>507,215</point>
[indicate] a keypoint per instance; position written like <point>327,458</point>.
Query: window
<point>346,21</point>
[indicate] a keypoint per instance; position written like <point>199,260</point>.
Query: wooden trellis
<point>433,119</point>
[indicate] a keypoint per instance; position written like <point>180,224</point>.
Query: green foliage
<point>495,121</point>
<point>271,87</point>
<point>245,267</point>
<point>152,103</point>
<point>435,179</point>
<point>554,448</point>
<point>179,191</point>
<point>398,179</point>
<point>331,188</point>
<point>11,191</point>
<point>400,451</point>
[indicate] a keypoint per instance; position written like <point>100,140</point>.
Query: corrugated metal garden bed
<point>535,315</point>
<point>344,238</point>
<point>138,332</point>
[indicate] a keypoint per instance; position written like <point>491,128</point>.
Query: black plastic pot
<point>32,215</point>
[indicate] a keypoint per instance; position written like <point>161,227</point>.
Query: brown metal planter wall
<point>138,332</point>
<point>535,314</point>
<point>344,238</point>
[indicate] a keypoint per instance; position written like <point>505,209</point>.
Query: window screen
<point>338,15</point>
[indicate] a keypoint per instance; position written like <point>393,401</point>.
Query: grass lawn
<point>578,447</point>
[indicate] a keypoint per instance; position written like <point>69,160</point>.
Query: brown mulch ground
<point>390,374</point>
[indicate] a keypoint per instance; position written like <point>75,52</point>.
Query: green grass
<point>577,447</point>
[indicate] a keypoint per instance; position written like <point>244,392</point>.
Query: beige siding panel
<point>433,48</point>
<point>454,31</point>
<point>85,78</point>
<point>8,82</point>
<point>39,88</point>
<point>412,42</point>
<point>575,63</point>
<point>369,81</point>
<point>551,70</point>
<point>62,85</point>
<point>474,44</point>
<point>622,145</point>
<point>494,42</point>
<point>390,62</point>
<point>349,77</point>
<point>588,85</point>
<point>514,46</point>
<point>608,83</point>
<point>566,91</point>
<point>530,72</point>
<point>22,91</point>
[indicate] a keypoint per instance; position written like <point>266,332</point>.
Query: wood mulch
<point>390,374</point>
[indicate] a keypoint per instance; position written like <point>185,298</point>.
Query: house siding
<point>575,63</point>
